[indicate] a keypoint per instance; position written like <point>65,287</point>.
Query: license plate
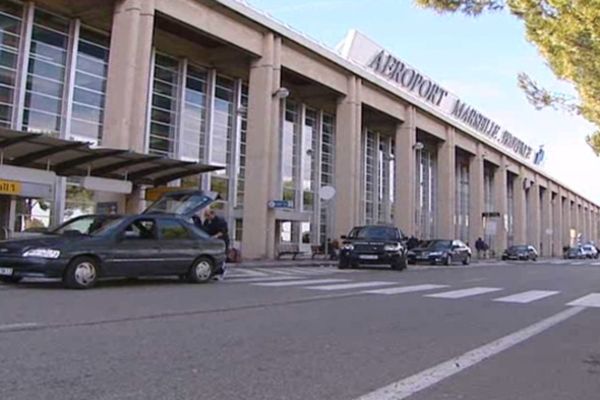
<point>6,271</point>
<point>368,257</point>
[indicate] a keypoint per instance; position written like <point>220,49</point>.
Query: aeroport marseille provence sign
<point>360,49</point>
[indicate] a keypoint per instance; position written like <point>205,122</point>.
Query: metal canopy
<point>70,158</point>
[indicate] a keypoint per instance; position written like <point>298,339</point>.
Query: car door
<point>177,246</point>
<point>136,250</point>
<point>455,254</point>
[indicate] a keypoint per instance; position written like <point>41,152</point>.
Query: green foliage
<point>567,34</point>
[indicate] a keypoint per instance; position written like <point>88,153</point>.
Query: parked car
<point>161,241</point>
<point>589,251</point>
<point>372,245</point>
<point>520,252</point>
<point>575,253</point>
<point>440,251</point>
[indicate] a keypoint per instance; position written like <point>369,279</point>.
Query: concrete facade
<point>415,147</point>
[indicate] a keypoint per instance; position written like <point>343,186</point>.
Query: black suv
<point>373,245</point>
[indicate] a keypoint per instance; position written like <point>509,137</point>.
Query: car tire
<point>81,273</point>
<point>446,260</point>
<point>201,271</point>
<point>467,260</point>
<point>11,279</point>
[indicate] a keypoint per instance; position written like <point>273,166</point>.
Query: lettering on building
<point>395,70</point>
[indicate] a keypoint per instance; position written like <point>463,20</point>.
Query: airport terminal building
<point>102,101</point>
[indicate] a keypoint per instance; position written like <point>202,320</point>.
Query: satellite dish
<point>327,192</point>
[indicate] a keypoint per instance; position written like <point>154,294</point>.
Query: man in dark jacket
<point>216,227</point>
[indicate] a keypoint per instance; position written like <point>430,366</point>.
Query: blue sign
<point>539,156</point>
<point>280,204</point>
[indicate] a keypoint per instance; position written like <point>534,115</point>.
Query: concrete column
<point>547,231</point>
<point>557,224</point>
<point>348,160</point>
<point>534,216</point>
<point>446,195</point>
<point>404,198</point>
<point>476,196</point>
<point>128,82</point>
<point>520,223</point>
<point>501,203</point>
<point>262,152</point>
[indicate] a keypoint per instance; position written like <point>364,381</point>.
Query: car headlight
<point>392,247</point>
<point>435,254</point>
<point>42,253</point>
<point>348,246</point>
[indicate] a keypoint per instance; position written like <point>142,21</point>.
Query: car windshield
<point>439,244</point>
<point>518,248</point>
<point>374,232</point>
<point>185,203</point>
<point>85,225</point>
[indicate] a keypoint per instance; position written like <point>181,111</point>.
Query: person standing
<point>480,247</point>
<point>216,227</point>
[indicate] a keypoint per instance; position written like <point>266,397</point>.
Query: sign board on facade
<point>153,194</point>
<point>280,204</point>
<point>10,187</point>
<point>363,51</point>
<point>491,214</point>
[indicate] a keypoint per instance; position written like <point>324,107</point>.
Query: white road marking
<point>459,294</point>
<point>276,271</point>
<point>527,297</point>
<point>591,300</point>
<point>265,279</point>
<point>300,282</point>
<point>309,271</point>
<point>596,263</point>
<point>405,289</point>
<point>244,273</point>
<point>12,327</point>
<point>357,285</point>
<point>409,386</point>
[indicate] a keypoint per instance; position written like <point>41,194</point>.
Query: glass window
<point>173,230</point>
<point>46,74</point>
<point>193,132</point>
<point>223,121</point>
<point>10,29</point>
<point>241,173</point>
<point>141,229</point>
<point>289,157</point>
<point>163,121</point>
<point>327,170</point>
<point>90,85</point>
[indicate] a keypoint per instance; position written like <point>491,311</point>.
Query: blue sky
<point>478,59</point>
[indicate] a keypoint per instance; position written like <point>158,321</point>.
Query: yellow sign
<point>10,187</point>
<point>153,194</point>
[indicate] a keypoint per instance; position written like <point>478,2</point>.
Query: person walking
<point>480,247</point>
<point>216,227</point>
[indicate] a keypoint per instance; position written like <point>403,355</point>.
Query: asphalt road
<point>506,331</point>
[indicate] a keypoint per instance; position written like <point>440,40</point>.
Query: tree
<point>567,34</point>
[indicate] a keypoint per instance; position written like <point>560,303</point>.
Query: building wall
<point>415,152</point>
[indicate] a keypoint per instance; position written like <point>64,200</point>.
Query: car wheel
<point>81,273</point>
<point>447,260</point>
<point>467,260</point>
<point>201,271</point>
<point>10,279</point>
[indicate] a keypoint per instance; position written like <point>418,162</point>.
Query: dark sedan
<point>159,242</point>
<point>440,252</point>
<point>520,252</point>
<point>373,245</point>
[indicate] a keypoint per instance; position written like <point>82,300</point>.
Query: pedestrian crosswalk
<point>244,274</point>
<point>313,279</point>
